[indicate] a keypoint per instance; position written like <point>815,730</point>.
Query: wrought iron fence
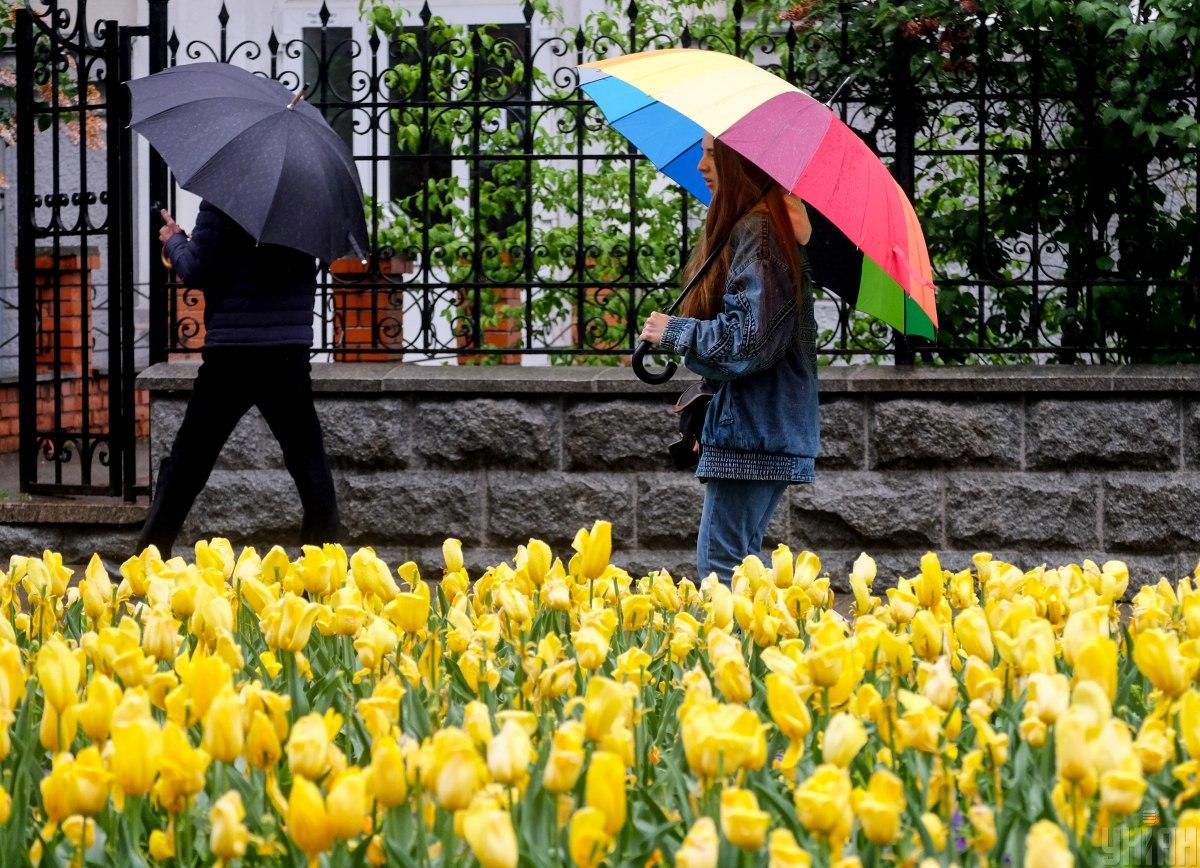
<point>507,219</point>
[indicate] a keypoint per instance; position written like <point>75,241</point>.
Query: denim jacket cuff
<point>672,333</point>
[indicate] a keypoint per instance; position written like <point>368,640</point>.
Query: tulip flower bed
<point>330,710</point>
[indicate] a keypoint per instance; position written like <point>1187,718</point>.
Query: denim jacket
<point>760,352</point>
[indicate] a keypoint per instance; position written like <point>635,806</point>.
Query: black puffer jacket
<point>254,294</point>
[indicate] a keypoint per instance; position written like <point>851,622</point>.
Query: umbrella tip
<point>299,96</point>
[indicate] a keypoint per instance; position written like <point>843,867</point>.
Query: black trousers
<point>231,380</point>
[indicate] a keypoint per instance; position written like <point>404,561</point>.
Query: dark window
<point>328,71</point>
<point>433,158</point>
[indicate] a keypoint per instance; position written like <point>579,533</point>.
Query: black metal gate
<point>74,254</point>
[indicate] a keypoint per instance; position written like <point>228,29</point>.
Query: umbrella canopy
<point>244,144</point>
<point>665,101</point>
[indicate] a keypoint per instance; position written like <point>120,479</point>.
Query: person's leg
<point>287,405</point>
<point>217,402</point>
<point>734,518</point>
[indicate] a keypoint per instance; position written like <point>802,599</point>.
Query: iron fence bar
<point>26,292</point>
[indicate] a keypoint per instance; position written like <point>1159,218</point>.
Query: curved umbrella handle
<point>639,366</point>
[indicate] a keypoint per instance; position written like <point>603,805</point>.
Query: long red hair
<point>740,186</point>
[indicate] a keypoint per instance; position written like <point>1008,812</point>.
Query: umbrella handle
<point>639,366</point>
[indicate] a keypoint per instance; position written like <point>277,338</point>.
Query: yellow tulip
<point>983,821</point>
<point>593,550</point>
<point>5,806</point>
<point>1046,846</point>
<point>566,758</point>
<point>262,746</point>
<point>591,647</point>
<point>1156,654</point>
<point>879,807</point>
<point>974,635</point>
<point>56,731</point>
<point>1096,660</point>
<point>307,821</point>
<point>862,576</point>
<point>491,836</point>
<point>287,623</point>
<point>95,715</point>
<point>1072,750</point>
<point>784,852</point>
<point>388,774</point>
<point>181,770</point>
<point>927,635</point>
<point>223,733</point>
<point>587,839</point>
<point>701,846</point>
<point>347,805</point>
<point>409,612</point>
<point>454,771</point>
<point>823,804</point>
<point>372,576</point>
<point>605,789</point>
<point>162,844</point>
<point>228,837</point>
<point>308,747</point>
<point>1123,788</point>
<point>58,674</point>
<point>88,783</point>
<point>844,737</point>
<point>509,754</point>
<point>732,677</point>
<point>96,590</point>
<point>605,704</point>
<point>137,749</point>
<point>1047,696</point>
<point>931,584</point>
<point>742,823</point>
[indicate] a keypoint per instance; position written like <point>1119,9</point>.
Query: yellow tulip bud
<point>307,821</point>
<point>566,758</point>
<point>701,846</point>
<point>223,734</point>
<point>742,823</point>
<point>492,839</point>
<point>844,737</point>
<point>587,838</point>
<point>509,754</point>
<point>389,778</point>
<point>308,747</point>
<point>137,748</point>
<point>1046,846</point>
<point>605,789</point>
<point>58,674</point>
<point>347,804</point>
<point>879,807</point>
<point>228,837</point>
<point>88,783</point>
<point>785,852</point>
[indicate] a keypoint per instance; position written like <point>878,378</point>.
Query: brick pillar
<point>362,307</point>
<point>69,276</point>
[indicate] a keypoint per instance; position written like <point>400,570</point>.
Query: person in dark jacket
<point>750,329</point>
<point>258,315</point>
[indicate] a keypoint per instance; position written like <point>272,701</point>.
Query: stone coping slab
<point>73,512</point>
<point>368,377</point>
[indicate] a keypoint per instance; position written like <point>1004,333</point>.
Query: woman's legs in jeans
<point>735,518</point>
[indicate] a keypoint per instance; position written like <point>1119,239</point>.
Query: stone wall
<point>1035,464</point>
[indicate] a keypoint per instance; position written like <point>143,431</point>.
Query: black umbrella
<point>261,155</point>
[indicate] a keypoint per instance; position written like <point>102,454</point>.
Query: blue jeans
<point>735,517</point>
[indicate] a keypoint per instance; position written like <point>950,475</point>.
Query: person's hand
<point>656,324</point>
<point>798,214</point>
<point>170,227</point>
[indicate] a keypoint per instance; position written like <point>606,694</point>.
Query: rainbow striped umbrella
<point>664,101</point>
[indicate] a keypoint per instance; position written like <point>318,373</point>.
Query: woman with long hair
<point>749,328</point>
